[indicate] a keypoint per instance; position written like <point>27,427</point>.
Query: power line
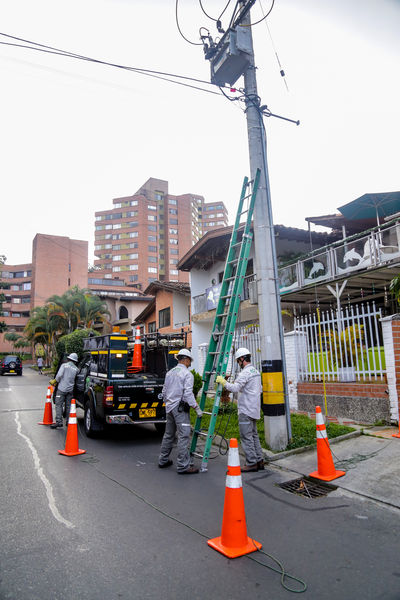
<point>180,31</point>
<point>150,73</point>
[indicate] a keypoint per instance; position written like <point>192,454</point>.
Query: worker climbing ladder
<point>226,315</point>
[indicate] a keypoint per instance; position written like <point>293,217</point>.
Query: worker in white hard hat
<point>65,378</point>
<point>248,385</point>
<point>178,397</point>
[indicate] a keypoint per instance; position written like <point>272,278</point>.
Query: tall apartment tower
<point>143,236</point>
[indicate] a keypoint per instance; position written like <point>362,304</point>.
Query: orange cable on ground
<point>71,442</point>
<point>234,541</point>
<point>326,469</point>
<point>48,409</point>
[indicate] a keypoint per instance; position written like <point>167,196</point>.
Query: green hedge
<point>73,342</point>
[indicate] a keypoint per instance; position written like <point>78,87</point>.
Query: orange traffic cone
<point>398,433</point>
<point>326,468</point>
<point>233,541</point>
<point>71,442</point>
<point>48,410</point>
<point>137,363</point>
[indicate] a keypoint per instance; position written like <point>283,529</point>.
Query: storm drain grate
<point>307,488</point>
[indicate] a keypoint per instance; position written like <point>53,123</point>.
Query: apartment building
<point>142,238</point>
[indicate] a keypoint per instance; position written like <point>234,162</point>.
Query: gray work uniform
<point>178,386</point>
<point>65,389</point>
<point>248,385</point>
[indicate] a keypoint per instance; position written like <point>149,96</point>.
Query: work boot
<point>189,471</point>
<point>165,465</point>
<point>260,465</point>
<point>250,468</point>
<point>56,425</point>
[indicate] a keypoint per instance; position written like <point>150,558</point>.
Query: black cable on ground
<point>281,571</point>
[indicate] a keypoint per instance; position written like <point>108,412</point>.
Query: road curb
<point>272,457</point>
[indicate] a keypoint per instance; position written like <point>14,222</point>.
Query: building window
<point>133,256</point>
<point>123,312</point>
<point>99,227</point>
<point>173,261</point>
<point>117,257</point>
<point>151,327</point>
<point>16,300</point>
<point>132,213</point>
<point>133,277</point>
<point>133,224</point>
<point>173,251</point>
<point>133,267</point>
<point>152,269</point>
<point>133,245</point>
<point>116,236</point>
<point>152,207</point>
<point>173,231</point>
<point>133,203</point>
<point>151,218</point>
<point>174,272</point>
<point>116,226</point>
<point>173,221</point>
<point>152,248</point>
<point>164,317</point>
<point>133,234</point>
<point>172,201</point>
<point>116,269</point>
<point>173,241</point>
<point>108,276</point>
<point>158,196</point>
<point>173,211</point>
<point>152,227</point>
<point>152,259</point>
<point>116,247</point>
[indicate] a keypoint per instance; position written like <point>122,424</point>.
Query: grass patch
<point>303,428</point>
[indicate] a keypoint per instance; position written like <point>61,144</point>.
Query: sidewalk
<point>371,461</point>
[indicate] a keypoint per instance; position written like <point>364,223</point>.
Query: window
<point>108,276</point>
<point>174,272</point>
<point>133,277</point>
<point>152,207</point>
<point>173,261</point>
<point>172,201</point>
<point>117,247</point>
<point>152,227</point>
<point>158,196</point>
<point>151,218</point>
<point>123,312</point>
<point>98,217</point>
<point>99,227</point>
<point>173,221</point>
<point>151,279</point>
<point>133,224</point>
<point>107,246</point>
<point>173,231</point>
<point>164,317</point>
<point>14,288</point>
<point>133,203</point>
<point>152,248</point>
<point>152,269</point>
<point>220,214</point>
<point>173,251</point>
<point>133,255</point>
<point>116,236</point>
<point>108,236</point>
<point>133,234</point>
<point>97,247</point>
<point>132,213</point>
<point>172,211</point>
<point>133,245</point>
<point>116,269</point>
<point>220,223</point>
<point>153,259</point>
<point>117,257</point>
<point>151,327</point>
<point>118,205</point>
<point>133,267</point>
<point>173,241</point>
<point>25,300</point>
<point>152,238</point>
<point>116,226</point>
<point>16,300</point>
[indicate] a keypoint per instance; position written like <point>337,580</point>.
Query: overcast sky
<point>75,135</point>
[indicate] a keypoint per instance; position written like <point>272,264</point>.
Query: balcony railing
<point>380,246</point>
<point>209,300</point>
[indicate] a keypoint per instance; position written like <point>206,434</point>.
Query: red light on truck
<point>109,395</point>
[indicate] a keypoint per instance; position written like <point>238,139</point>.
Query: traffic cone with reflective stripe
<point>48,409</point>
<point>234,541</point>
<point>326,468</point>
<point>137,363</point>
<point>71,442</point>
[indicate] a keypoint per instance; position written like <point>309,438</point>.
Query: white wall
<point>180,309</point>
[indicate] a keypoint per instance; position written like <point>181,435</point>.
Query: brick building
<point>142,238</point>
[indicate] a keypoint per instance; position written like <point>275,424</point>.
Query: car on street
<point>11,364</point>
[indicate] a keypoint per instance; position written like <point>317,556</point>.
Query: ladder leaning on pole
<point>226,315</point>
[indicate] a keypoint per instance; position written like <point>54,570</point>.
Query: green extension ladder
<point>226,315</point>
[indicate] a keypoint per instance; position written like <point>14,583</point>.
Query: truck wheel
<point>93,427</point>
<point>160,428</point>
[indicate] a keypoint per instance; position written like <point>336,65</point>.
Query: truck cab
<point>112,392</point>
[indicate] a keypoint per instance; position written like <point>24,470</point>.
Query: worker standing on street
<point>66,380</point>
<point>178,397</point>
<point>248,384</point>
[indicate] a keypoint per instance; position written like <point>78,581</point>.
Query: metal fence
<point>341,345</point>
<point>246,335</point>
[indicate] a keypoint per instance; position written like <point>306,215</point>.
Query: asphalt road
<point>109,524</point>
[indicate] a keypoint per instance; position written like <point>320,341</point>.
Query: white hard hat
<point>73,356</point>
<point>241,352</point>
<point>184,352</point>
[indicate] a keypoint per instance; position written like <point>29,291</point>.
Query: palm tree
<point>43,328</point>
<point>395,288</point>
<point>77,308</point>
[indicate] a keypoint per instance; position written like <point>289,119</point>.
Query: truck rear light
<point>109,396</point>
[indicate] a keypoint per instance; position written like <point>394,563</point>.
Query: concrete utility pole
<point>274,403</point>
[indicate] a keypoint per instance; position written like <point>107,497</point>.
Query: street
<point>109,524</point>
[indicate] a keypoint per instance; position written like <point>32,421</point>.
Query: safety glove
<point>199,412</point>
<point>53,381</point>
<point>220,380</point>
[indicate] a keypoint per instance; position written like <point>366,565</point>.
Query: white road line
<point>5,389</point>
<point>45,481</point>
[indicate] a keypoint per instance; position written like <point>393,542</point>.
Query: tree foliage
<point>73,342</point>
<point>395,288</point>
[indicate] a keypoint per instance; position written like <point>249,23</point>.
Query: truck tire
<point>160,428</point>
<point>93,427</point>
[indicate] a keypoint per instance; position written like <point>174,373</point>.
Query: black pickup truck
<point>110,393</point>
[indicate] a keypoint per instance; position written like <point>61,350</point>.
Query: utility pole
<point>274,397</point>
